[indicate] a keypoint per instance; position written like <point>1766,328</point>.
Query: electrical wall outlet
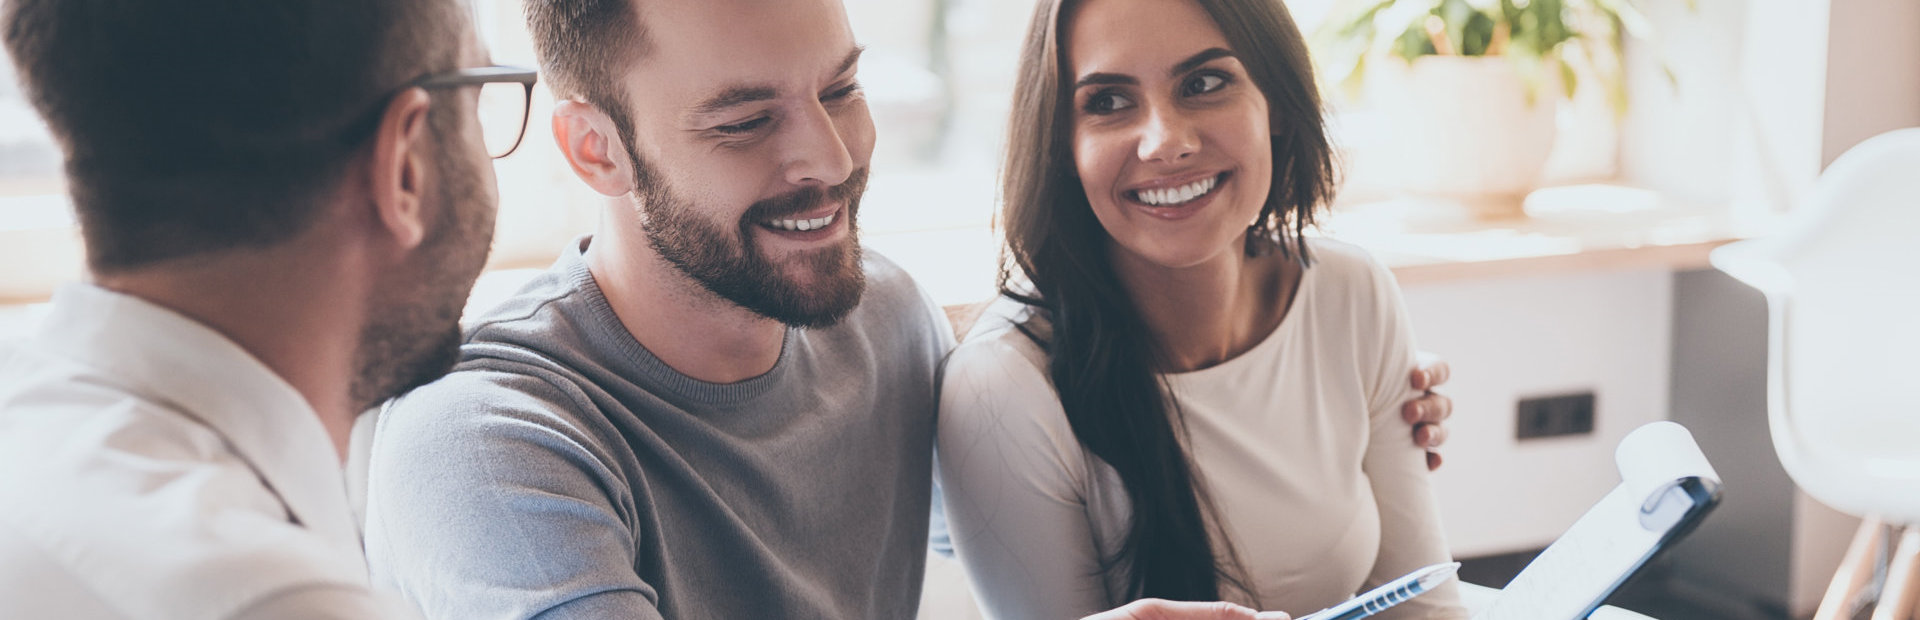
<point>1554,416</point>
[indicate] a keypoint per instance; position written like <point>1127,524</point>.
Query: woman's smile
<point>1178,197</point>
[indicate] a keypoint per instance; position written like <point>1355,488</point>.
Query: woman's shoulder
<point>1003,336</point>
<point>997,402</point>
<point>1344,271</point>
<point>999,369</point>
<point>1343,259</point>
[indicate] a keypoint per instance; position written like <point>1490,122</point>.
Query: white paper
<point>1607,544</point>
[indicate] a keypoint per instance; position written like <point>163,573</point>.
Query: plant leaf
<point>1568,81</point>
<point>1456,14</point>
<point>1413,43</point>
<point>1628,16</point>
<point>1477,36</point>
<point>1356,79</point>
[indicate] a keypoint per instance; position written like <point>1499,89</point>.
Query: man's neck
<point>695,332</point>
<point>291,315</point>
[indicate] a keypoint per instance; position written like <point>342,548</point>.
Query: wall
<point>1719,391</point>
<point>1509,338</point>
<point>1742,121</point>
<point>1873,72</point>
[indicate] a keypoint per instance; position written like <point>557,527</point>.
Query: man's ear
<point>399,168</point>
<point>587,138</point>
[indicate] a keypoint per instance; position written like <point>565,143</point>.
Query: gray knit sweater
<point>562,471</point>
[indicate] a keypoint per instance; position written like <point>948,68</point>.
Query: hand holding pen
<point>1156,609</point>
<point>1393,593</point>
<point>1379,599</point>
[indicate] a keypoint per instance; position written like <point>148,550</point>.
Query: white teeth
<point>802,225</point>
<point>1177,195</point>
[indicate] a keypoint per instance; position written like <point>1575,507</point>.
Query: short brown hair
<point>193,127</point>
<point>583,45</point>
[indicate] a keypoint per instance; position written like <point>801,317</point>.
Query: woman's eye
<point>1204,83</point>
<point>740,128</point>
<point>1107,103</point>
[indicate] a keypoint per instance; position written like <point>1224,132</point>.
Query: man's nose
<point>816,155</point>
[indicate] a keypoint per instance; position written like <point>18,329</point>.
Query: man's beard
<point>732,267</point>
<point>412,336</point>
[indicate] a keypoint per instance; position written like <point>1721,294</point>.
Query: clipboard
<point>1666,489</point>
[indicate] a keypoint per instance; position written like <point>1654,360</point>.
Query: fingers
<point>1429,435</point>
<point>1428,409</point>
<point>1156,609</point>
<point>1431,371</point>
<point>1433,460</point>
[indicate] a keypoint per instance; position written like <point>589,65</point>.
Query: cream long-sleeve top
<point>1300,441</point>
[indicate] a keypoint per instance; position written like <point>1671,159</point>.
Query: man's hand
<point>1428,413</point>
<point>1156,609</point>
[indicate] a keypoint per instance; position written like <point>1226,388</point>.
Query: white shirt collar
<point>166,357</point>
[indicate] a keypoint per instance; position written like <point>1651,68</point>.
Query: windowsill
<point>1571,229</point>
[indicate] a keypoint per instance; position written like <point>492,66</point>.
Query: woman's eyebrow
<point>1204,57</point>
<point>1104,78</point>
<point>1192,62</point>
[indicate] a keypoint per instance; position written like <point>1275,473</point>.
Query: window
<point>38,243</point>
<point>939,76</point>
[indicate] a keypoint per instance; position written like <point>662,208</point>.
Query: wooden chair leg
<point>1856,571</point>
<point>1903,579</point>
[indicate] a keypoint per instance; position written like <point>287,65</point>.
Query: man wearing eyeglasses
<point>284,205</point>
<point>717,406</point>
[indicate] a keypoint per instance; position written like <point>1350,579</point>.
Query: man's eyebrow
<point>1194,61</point>
<point>740,95</point>
<point>852,57</point>
<point>734,96</point>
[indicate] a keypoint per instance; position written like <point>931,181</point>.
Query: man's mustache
<point>808,199</point>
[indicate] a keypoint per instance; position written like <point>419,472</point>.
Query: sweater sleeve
<point>1410,532</point>
<point>1014,476</point>
<point>485,502</point>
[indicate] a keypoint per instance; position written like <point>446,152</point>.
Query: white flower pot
<point>1462,129</point>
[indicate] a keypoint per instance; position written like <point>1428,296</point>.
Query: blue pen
<point>1393,593</point>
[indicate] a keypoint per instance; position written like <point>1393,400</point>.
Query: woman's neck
<point>1206,314</point>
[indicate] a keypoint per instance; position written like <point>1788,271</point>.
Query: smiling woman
<point>1172,400</point>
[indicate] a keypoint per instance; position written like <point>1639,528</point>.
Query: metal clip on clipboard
<point>1666,489</point>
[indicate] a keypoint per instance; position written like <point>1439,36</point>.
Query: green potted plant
<point>1469,88</point>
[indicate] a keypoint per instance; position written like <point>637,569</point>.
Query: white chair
<point>1842,284</point>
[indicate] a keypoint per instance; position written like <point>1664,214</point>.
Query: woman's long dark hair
<point>1103,361</point>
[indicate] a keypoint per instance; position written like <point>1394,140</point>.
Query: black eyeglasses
<point>506,99</point>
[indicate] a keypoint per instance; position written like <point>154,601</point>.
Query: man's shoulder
<point>534,348</point>
<point>546,306</point>
<point>889,285</point>
<point>482,396</point>
<point>895,303</point>
<point>116,501</point>
<point>64,421</point>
